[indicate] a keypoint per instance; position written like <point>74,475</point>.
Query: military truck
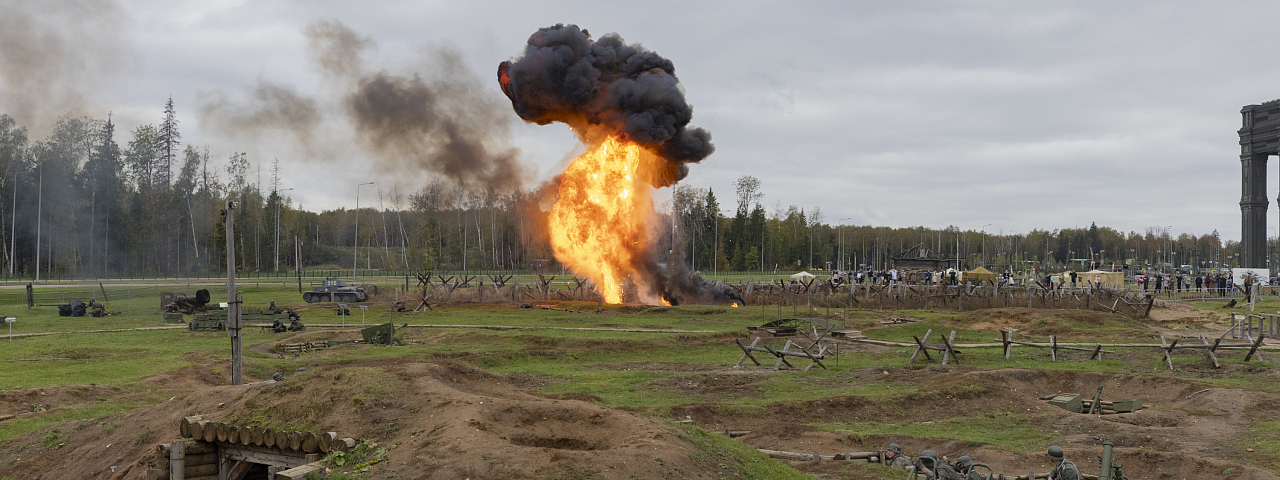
<point>335,290</point>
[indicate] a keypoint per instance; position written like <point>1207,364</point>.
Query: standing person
<point>1073,279</point>
<point>1199,279</point>
<point>1097,282</point>
<point>1156,282</point>
<point>1063,469</point>
<point>1142,283</point>
<point>893,276</point>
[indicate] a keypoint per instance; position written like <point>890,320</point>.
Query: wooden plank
<point>746,353</point>
<point>300,472</point>
<point>1097,352</point>
<point>1257,343</point>
<point>950,352</point>
<point>921,348</point>
<point>263,455</point>
<point>239,470</point>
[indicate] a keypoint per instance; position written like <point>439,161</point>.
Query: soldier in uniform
<point>923,462</point>
<point>944,470</point>
<point>1063,469</point>
<point>895,458</point>
<point>277,326</point>
<point>966,468</point>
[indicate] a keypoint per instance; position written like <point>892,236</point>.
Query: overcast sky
<point>1021,115</point>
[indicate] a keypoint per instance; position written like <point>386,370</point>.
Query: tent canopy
<point>981,275</point>
<point>802,276</point>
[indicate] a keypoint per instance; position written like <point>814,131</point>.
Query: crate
<point>173,317</point>
<point>1127,405</point>
<point>213,319</point>
<point>1067,401</point>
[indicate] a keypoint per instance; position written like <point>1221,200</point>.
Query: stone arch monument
<point>1259,139</point>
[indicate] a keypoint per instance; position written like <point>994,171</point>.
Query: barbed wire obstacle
<point>1006,337</point>
<point>814,359</point>
<point>948,348</point>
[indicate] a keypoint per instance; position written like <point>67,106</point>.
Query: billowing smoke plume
<point>564,76</point>
<point>439,120</point>
<point>607,88</point>
<point>55,55</point>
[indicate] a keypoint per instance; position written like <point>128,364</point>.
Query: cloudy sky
<point>1021,115</point>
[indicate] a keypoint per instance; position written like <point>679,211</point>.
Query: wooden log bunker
<point>211,450</point>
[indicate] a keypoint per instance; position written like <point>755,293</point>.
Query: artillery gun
<point>336,290</point>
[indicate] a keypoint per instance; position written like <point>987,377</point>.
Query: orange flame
<point>734,304</point>
<point>600,222</point>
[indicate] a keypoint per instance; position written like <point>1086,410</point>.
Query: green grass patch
<point>22,425</point>
<point>1264,439</point>
<point>1008,432</point>
<point>746,462</point>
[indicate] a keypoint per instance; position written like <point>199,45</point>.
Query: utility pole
<point>279,200</point>
<point>233,300</point>
<point>39,208</point>
<point>355,248</point>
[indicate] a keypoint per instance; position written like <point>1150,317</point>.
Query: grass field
<point>657,374</point>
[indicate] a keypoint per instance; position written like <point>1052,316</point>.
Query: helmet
<point>895,448</point>
<point>965,461</point>
<point>1055,453</point>
<point>930,454</point>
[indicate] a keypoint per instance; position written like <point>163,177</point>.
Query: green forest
<point>91,201</point>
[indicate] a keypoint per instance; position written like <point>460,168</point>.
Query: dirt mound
<point>1181,430</point>
<point>445,421</point>
<point>1042,322</point>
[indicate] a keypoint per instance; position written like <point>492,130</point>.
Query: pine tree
<point>169,140</point>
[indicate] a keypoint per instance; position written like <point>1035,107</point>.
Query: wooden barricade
<point>1006,338</point>
<point>948,348</point>
<point>1210,349</point>
<point>814,359</point>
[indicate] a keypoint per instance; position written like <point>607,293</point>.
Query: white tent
<point>802,276</point>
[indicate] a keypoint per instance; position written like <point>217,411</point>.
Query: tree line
<point>90,201</point>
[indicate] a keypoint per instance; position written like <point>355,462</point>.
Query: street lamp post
<point>355,249</point>
<point>984,244</point>
<point>841,266</point>
<point>278,202</point>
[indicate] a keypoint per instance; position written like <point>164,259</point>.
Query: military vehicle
<point>335,290</point>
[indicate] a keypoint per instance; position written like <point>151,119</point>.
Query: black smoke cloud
<point>438,119</point>
<point>565,76</point>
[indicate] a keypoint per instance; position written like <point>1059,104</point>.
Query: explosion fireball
<point>627,106</point>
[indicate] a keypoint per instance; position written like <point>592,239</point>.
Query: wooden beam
<point>177,459</point>
<point>746,352</point>
<point>920,347</point>
<point>1257,343</point>
<point>300,472</point>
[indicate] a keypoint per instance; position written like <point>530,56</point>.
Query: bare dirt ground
<point>449,420</point>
